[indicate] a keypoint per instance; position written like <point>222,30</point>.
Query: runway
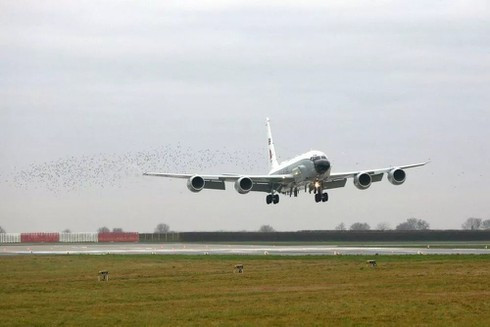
<point>223,249</point>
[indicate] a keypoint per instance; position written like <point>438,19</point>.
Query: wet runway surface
<point>223,249</point>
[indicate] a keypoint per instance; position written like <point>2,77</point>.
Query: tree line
<point>409,224</point>
<point>471,223</point>
<point>417,224</point>
<point>159,229</point>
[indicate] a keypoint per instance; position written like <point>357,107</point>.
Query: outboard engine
<point>397,176</point>
<point>195,183</point>
<point>362,181</point>
<point>243,185</point>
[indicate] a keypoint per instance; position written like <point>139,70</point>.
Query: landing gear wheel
<point>318,197</point>
<point>268,199</point>
<point>275,198</point>
<point>324,197</point>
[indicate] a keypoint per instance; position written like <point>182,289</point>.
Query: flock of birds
<point>110,170</point>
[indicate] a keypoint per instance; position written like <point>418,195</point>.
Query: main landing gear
<point>272,198</point>
<point>321,197</point>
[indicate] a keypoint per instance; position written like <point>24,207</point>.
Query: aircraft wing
<point>372,172</point>
<point>230,177</point>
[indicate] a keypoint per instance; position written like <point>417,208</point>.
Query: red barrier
<point>39,237</point>
<point>119,237</point>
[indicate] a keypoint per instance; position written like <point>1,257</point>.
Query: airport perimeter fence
<point>39,237</point>
<point>9,237</point>
<point>159,237</point>
<point>79,237</point>
<point>338,236</point>
<point>301,236</point>
<point>118,237</point>
<point>68,237</point>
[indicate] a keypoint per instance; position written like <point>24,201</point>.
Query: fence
<point>338,236</point>
<point>79,237</point>
<point>301,236</point>
<point>39,237</point>
<point>9,237</point>
<point>119,237</point>
<point>159,237</point>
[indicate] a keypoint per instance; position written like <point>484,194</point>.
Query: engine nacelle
<point>397,176</point>
<point>195,183</point>
<point>362,181</point>
<point>243,185</point>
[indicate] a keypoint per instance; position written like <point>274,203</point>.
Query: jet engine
<point>195,183</point>
<point>397,176</point>
<point>362,181</point>
<point>243,185</point>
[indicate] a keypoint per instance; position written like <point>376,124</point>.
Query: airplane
<point>311,171</point>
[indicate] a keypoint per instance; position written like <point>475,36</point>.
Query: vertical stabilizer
<point>272,151</point>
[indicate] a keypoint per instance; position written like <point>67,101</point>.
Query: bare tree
<point>360,226</point>
<point>266,229</point>
<point>2,231</point>
<point>103,229</point>
<point>485,224</point>
<point>404,226</point>
<point>413,224</point>
<point>162,228</point>
<point>422,224</point>
<point>340,226</point>
<point>383,226</point>
<point>67,231</point>
<point>472,223</point>
<point>117,230</point>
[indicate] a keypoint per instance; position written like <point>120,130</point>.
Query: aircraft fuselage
<point>307,168</point>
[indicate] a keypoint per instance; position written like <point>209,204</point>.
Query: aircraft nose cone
<point>322,165</point>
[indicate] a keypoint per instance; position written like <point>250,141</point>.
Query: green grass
<point>273,290</point>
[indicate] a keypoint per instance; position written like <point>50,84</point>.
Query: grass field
<point>157,290</point>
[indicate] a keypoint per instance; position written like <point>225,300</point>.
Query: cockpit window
<point>317,157</point>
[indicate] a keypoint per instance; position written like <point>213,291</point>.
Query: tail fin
<point>272,151</point>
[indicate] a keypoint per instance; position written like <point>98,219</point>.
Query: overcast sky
<point>94,92</point>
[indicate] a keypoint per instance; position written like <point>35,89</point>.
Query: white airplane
<point>311,171</point>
